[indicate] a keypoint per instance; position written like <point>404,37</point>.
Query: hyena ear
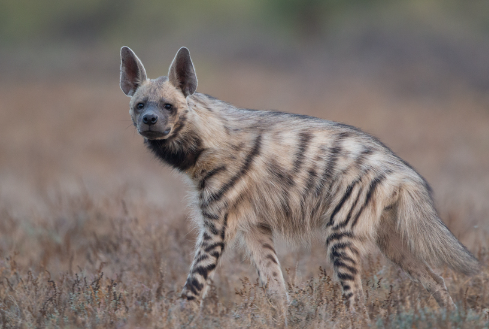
<point>133,73</point>
<point>182,73</point>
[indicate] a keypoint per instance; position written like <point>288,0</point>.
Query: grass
<point>130,268</point>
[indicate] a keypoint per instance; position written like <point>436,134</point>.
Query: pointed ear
<point>133,73</point>
<point>182,73</point>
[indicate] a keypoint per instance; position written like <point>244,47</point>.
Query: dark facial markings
<point>138,106</point>
<point>167,105</point>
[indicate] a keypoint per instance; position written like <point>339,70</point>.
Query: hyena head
<point>158,106</point>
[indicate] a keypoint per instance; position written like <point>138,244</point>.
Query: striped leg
<point>210,245</point>
<point>259,242</point>
<point>347,266</point>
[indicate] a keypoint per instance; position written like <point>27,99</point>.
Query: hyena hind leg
<point>259,243</point>
<point>392,246</point>
<point>346,260</point>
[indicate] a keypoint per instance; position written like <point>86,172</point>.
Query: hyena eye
<point>168,106</point>
<point>140,106</point>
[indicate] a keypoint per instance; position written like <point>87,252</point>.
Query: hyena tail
<point>426,235</point>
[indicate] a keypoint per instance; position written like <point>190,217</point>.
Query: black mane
<point>182,155</point>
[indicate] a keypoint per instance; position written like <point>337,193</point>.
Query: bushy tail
<point>427,236</point>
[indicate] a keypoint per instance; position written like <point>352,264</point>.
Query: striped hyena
<point>260,173</point>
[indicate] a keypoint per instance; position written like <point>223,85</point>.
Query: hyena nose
<point>150,119</point>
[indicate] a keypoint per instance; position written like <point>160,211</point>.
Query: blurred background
<point>413,73</point>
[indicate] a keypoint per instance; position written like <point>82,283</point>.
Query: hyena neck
<point>179,154</point>
<point>183,150</point>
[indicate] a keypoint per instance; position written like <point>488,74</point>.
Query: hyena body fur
<point>256,174</point>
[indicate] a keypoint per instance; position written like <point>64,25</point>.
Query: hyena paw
<point>188,309</point>
<point>189,304</point>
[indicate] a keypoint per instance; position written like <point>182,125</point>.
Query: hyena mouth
<point>153,134</point>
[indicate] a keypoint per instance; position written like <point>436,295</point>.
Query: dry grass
<point>93,231</point>
<point>114,263</point>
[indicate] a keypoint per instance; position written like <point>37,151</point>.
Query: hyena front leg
<point>259,243</point>
<point>213,238</point>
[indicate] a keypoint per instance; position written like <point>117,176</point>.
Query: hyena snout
<point>150,119</point>
<point>153,125</point>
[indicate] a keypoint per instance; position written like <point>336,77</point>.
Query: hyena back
<point>260,173</point>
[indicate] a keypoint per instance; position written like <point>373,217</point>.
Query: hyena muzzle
<point>260,173</point>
